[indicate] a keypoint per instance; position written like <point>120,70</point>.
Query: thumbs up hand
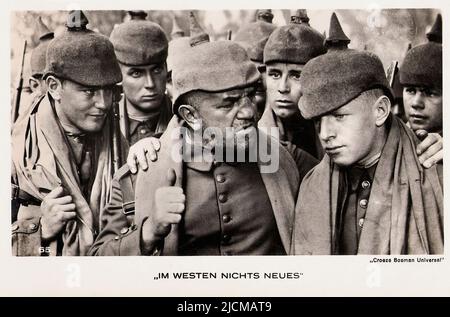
<point>169,206</point>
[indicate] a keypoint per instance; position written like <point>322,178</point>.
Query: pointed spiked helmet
<point>139,43</point>
<point>435,34</point>
<point>422,65</point>
<point>81,55</point>
<point>138,15</point>
<point>294,43</point>
<point>197,34</point>
<point>336,36</point>
<point>177,31</point>
<point>253,36</point>
<point>42,30</point>
<point>333,79</point>
<point>38,55</point>
<point>265,15</point>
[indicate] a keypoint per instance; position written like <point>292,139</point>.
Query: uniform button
<point>220,178</point>
<point>143,131</point>
<point>226,218</point>
<point>361,222</point>
<point>363,203</point>
<point>15,227</point>
<point>116,238</point>
<point>32,226</point>
<point>226,239</point>
<point>223,198</point>
<point>365,184</point>
<point>124,230</point>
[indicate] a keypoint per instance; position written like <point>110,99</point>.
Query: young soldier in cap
<point>421,76</point>
<point>369,194</point>
<point>61,150</point>
<point>198,206</point>
<point>253,37</point>
<point>286,52</point>
<point>141,49</point>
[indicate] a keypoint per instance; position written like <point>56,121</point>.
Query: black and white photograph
<point>237,145</point>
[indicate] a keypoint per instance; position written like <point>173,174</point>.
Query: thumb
<point>171,177</point>
<point>421,134</point>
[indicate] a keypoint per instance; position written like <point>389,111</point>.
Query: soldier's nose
<point>103,98</point>
<point>418,101</point>
<point>283,86</point>
<point>149,82</point>
<point>325,129</point>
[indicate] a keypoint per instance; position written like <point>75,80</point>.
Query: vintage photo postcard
<point>190,149</point>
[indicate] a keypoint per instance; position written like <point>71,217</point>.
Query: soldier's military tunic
<point>226,194</point>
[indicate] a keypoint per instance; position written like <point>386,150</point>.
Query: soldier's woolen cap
<point>295,43</point>
<point>253,36</point>
<point>82,56</point>
<point>422,65</point>
<point>212,67</point>
<point>139,42</point>
<point>37,59</point>
<point>332,80</point>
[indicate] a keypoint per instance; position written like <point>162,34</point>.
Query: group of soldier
<point>352,177</point>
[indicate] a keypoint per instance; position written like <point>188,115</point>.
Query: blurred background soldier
<point>369,194</point>
<point>178,44</point>
<point>253,37</point>
<point>286,52</point>
<point>37,84</point>
<point>61,149</point>
<point>141,49</point>
<point>421,77</point>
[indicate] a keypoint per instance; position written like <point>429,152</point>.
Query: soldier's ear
<point>382,110</point>
<point>189,115</point>
<point>34,84</point>
<point>54,86</point>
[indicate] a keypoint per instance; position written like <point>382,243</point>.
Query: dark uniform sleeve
<point>119,235</point>
<point>304,161</point>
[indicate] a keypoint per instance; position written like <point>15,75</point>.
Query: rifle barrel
<point>20,85</point>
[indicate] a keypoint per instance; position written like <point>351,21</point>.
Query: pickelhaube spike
<point>336,37</point>
<point>177,31</point>
<point>301,16</point>
<point>137,15</point>
<point>435,34</point>
<point>76,21</point>
<point>197,34</point>
<point>265,15</point>
<point>42,30</point>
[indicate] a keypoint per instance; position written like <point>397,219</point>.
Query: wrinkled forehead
<point>226,95</point>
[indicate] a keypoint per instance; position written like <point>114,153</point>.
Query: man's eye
<point>431,93</point>
<point>136,74</point>
<point>296,76</point>
<point>410,90</point>
<point>274,75</point>
<point>339,116</point>
<point>89,92</point>
<point>157,70</point>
